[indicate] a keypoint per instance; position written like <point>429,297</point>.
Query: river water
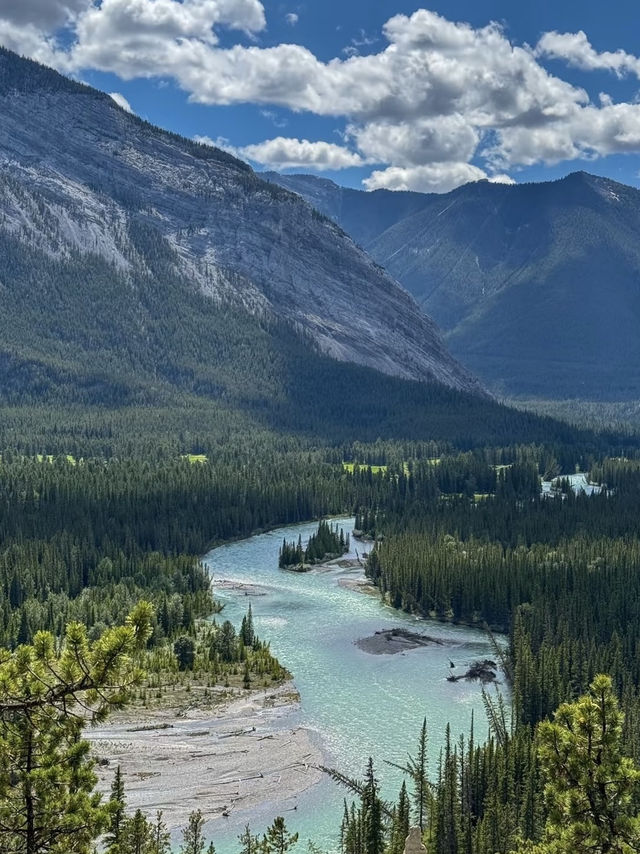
<point>356,704</point>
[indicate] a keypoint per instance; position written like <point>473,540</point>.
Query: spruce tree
<point>246,632</point>
<point>136,835</point>
<point>161,838</point>
<point>117,806</point>
<point>417,769</point>
<point>372,814</point>
<point>400,823</point>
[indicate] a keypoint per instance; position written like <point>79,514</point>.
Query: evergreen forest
<point>460,534</point>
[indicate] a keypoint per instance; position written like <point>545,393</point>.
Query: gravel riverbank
<point>242,753</point>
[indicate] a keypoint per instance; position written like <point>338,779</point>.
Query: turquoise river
<point>356,704</point>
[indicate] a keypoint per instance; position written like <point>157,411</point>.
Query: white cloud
<point>284,153</point>
<point>131,37</point>
<point>577,50</point>
<point>30,41</point>
<point>411,143</point>
<point>441,102</point>
<point>589,133</point>
<point>121,101</point>
<point>292,18</point>
<point>139,30</point>
<point>434,178</point>
<point>273,117</point>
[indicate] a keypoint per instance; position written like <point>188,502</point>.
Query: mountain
<point>122,242</point>
<point>536,286</point>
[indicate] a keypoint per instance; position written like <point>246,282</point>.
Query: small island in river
<point>326,544</point>
<point>393,641</point>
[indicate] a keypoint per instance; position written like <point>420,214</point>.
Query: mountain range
<point>84,184</point>
<point>150,281</point>
<point>535,286</point>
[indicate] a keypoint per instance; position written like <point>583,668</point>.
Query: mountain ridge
<point>534,285</point>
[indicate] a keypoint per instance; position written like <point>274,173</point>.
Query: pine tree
<point>591,787</point>
<point>250,844</point>
<point>192,838</point>
<point>161,838</point>
<point>400,823</point>
<point>277,839</point>
<point>372,814</point>
<point>227,641</point>
<point>246,632</point>
<point>24,632</point>
<point>136,835</point>
<point>47,798</point>
<point>184,650</point>
<point>417,769</point>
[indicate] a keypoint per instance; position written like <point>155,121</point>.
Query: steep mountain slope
<point>160,232</point>
<point>365,216</point>
<point>536,286</point>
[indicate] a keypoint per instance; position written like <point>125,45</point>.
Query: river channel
<point>356,704</point>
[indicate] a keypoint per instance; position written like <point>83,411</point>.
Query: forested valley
<point>460,535</point>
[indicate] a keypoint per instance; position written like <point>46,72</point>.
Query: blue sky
<point>371,94</point>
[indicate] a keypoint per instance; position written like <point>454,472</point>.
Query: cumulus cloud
<point>440,102</point>
<point>411,143</point>
<point>138,29</point>
<point>292,18</point>
<point>121,101</point>
<point>286,153</point>
<point>133,38</point>
<point>577,50</point>
<point>589,133</point>
<point>434,178</point>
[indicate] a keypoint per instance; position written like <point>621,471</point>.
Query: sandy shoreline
<point>243,753</point>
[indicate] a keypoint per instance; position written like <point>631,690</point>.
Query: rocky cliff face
<point>78,175</point>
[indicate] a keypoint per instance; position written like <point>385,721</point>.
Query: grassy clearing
<point>49,458</point>
<point>351,467</point>
<point>196,458</point>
